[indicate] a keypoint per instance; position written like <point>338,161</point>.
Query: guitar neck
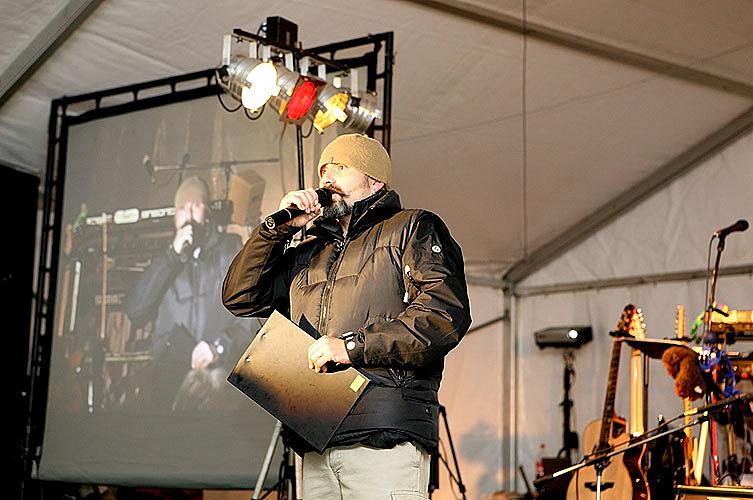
<point>680,334</point>
<point>608,414</point>
<point>637,394</point>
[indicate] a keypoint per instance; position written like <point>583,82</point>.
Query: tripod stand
<point>437,457</point>
<point>569,437</point>
<point>288,486</point>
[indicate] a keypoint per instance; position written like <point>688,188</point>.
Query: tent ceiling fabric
<point>711,37</point>
<point>595,128</point>
<point>21,22</point>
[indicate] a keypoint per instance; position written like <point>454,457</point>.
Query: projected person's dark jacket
<point>181,294</point>
<point>396,279</point>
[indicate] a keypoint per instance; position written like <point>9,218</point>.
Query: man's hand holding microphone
<point>298,208</point>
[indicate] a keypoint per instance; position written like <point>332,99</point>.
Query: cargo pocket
<point>407,495</point>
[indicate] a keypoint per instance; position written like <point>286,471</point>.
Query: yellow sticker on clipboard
<point>357,383</point>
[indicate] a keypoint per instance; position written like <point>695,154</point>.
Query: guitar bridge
<point>591,485</point>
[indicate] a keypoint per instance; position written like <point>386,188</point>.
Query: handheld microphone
<point>740,225</point>
<point>199,234</point>
<point>287,214</point>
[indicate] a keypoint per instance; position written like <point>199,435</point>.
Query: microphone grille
<point>325,196</point>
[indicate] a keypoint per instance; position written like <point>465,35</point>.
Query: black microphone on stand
<point>290,213</point>
<point>740,225</point>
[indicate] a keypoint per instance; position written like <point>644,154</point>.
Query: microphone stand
<point>712,290</point>
<point>710,338</point>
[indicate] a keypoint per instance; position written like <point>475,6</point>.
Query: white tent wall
<point>474,391</point>
<point>667,233</point>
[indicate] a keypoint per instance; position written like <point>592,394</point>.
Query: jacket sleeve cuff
<point>173,259</point>
<point>279,233</point>
<point>354,346</point>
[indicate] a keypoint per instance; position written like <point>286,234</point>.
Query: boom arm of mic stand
<point>607,456</point>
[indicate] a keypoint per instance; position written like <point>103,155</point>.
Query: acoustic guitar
<point>622,479</point>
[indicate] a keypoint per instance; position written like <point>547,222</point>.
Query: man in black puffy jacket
<point>381,288</point>
<point>194,337</point>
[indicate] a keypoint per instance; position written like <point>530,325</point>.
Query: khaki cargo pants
<point>362,473</point>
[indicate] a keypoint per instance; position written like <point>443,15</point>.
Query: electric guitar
<point>622,479</point>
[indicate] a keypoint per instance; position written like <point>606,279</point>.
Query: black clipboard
<point>274,373</point>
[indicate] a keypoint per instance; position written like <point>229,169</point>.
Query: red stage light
<point>302,99</point>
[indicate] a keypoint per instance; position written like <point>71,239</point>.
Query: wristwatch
<point>349,338</point>
<point>219,348</point>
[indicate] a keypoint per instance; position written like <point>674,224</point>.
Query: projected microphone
<point>740,225</point>
<point>149,166</point>
<point>290,213</point>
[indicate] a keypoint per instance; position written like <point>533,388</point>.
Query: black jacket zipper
<point>339,249</point>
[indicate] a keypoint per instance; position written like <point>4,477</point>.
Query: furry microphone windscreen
<point>682,365</point>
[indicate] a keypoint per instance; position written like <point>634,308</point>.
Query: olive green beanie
<point>362,153</point>
<point>192,189</point>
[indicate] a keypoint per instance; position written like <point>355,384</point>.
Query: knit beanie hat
<point>362,153</point>
<point>192,189</point>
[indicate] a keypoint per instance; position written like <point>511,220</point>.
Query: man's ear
<point>375,185</point>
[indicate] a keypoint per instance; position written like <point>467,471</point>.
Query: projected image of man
<point>179,291</point>
<point>383,289</point>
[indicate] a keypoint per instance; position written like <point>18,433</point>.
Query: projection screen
<point>125,405</point>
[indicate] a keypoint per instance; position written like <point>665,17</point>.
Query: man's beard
<point>336,210</point>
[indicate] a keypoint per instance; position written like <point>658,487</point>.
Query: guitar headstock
<point>680,321</point>
<point>631,323</point>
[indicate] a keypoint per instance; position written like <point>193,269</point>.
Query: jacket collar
<point>367,212</point>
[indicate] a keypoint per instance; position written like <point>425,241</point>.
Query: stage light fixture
<point>272,74</point>
<point>330,107</point>
<point>303,98</point>
<point>250,80</point>
<point>263,85</point>
<point>362,112</point>
<point>569,337</point>
<point>298,95</point>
